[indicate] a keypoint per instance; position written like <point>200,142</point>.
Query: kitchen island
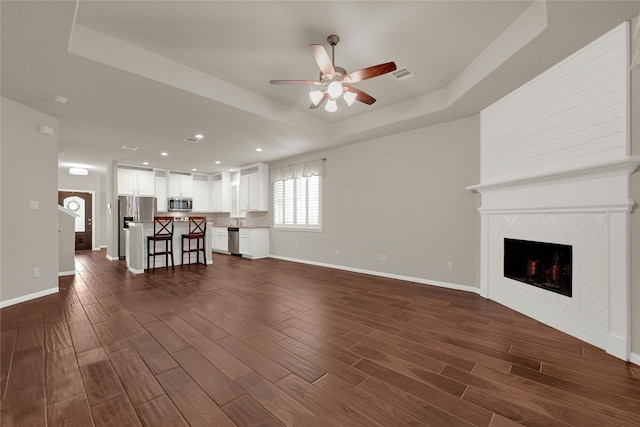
<point>136,245</point>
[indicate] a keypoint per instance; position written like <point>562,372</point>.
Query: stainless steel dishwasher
<point>234,241</point>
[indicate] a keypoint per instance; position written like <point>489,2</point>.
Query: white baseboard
<point>134,271</point>
<point>111,258</point>
<point>103,246</point>
<point>66,273</point>
<point>420,280</point>
<point>634,358</point>
<point>28,297</point>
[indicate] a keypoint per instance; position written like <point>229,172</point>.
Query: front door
<point>80,203</point>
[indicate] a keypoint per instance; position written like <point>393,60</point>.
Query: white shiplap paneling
<point>575,114</point>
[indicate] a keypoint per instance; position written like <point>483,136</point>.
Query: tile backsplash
<point>253,219</point>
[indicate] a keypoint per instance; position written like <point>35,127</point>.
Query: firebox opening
<point>541,264</point>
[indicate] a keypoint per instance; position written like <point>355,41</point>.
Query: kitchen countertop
<point>208,222</point>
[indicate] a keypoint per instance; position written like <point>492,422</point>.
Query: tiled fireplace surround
<point>587,208</point>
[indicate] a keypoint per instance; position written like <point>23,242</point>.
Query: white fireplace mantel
<point>599,188</point>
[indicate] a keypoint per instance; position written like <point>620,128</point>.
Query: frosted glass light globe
<point>331,106</point>
<point>334,89</point>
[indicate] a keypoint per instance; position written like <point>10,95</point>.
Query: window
<point>297,203</point>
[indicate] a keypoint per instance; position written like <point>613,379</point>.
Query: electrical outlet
<point>449,265</point>
<point>36,272</point>
<point>337,252</point>
<point>297,247</point>
<point>34,205</point>
<point>382,257</point>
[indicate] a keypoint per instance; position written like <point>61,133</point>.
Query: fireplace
<point>542,264</point>
<point>555,167</point>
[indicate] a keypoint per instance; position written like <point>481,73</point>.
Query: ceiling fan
<point>335,82</point>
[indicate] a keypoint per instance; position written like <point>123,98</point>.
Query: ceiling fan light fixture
<point>315,96</point>
<point>334,89</point>
<point>331,106</point>
<point>349,98</point>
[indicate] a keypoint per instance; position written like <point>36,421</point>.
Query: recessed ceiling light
<point>258,149</point>
<point>145,163</point>
<point>199,135</point>
<point>217,162</point>
<point>194,169</point>
<point>164,154</point>
<point>78,171</point>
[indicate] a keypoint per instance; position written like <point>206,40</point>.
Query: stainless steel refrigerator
<point>132,209</point>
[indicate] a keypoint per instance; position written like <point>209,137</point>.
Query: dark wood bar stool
<point>197,232</point>
<point>162,232</point>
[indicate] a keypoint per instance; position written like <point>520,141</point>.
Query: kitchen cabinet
<point>221,192</point>
<point>254,242</point>
<point>136,182</point>
<point>180,184</point>
<point>161,191</point>
<point>254,189</point>
<point>201,192</point>
<point>220,239</point>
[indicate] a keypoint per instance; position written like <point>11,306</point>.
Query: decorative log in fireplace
<point>541,264</point>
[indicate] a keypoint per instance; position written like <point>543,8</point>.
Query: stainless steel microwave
<point>180,204</point>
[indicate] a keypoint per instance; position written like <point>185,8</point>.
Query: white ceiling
<point>150,73</point>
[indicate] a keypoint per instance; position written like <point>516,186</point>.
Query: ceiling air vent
<point>403,73</point>
<point>129,147</point>
<point>191,139</point>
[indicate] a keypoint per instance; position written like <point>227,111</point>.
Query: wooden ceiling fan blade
<point>295,82</point>
<point>370,72</point>
<point>362,96</point>
<point>323,60</point>
<point>324,98</point>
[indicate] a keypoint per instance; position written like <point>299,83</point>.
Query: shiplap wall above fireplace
<point>574,114</point>
<point>555,167</point>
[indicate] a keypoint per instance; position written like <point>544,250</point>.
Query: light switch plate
<point>34,205</point>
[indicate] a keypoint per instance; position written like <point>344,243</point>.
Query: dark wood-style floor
<point>268,342</point>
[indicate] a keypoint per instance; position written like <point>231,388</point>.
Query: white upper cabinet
<point>180,184</point>
<point>221,192</point>
<point>254,188</point>
<point>136,181</point>
<point>161,190</point>
<point>201,193</point>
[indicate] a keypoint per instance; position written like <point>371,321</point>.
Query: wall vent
<point>191,139</point>
<point>403,73</point>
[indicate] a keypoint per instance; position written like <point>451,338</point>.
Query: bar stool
<point>162,232</point>
<point>197,231</point>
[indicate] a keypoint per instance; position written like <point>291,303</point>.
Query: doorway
<point>82,204</point>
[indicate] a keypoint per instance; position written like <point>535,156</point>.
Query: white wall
<point>635,215</point>
<point>403,196</point>
<point>29,172</point>
<point>95,182</point>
